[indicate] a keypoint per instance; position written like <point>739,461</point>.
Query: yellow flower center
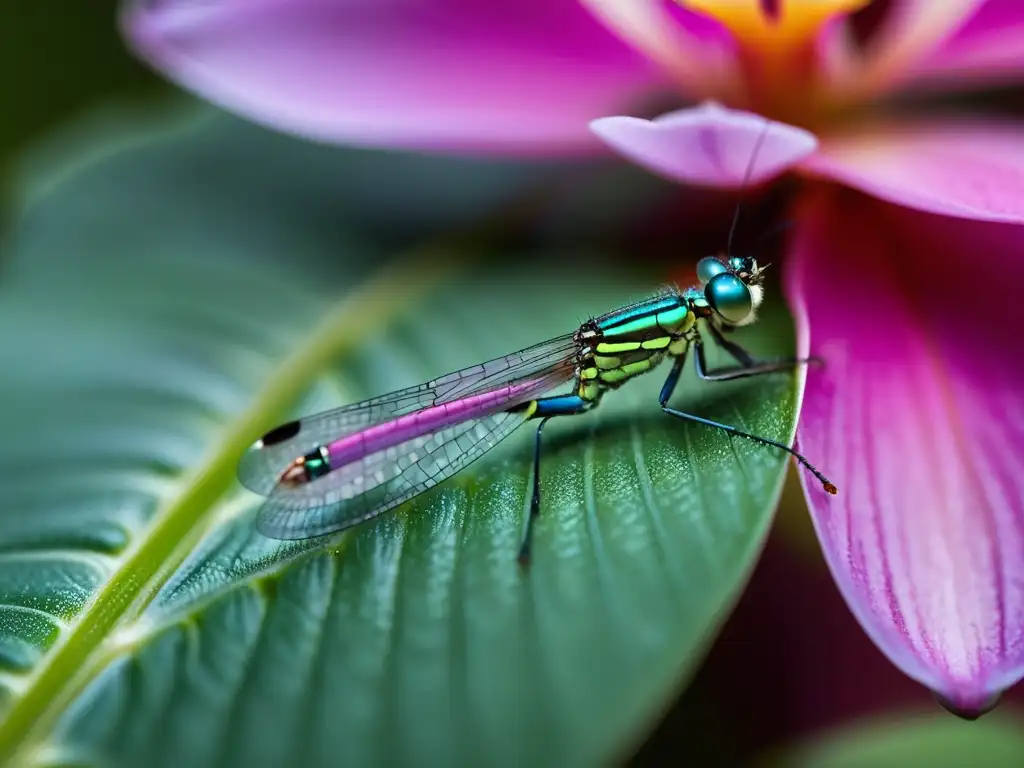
<point>794,23</point>
<point>777,49</point>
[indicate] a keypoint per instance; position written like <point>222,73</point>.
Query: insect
<point>342,467</point>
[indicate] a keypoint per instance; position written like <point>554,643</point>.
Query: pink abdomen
<point>423,422</point>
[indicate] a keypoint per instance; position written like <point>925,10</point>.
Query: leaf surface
<point>171,298</point>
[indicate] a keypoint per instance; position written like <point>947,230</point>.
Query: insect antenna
<point>747,174</point>
<point>743,185</point>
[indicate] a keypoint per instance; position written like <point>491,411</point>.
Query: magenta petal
<point>918,417</point>
<point>989,47</point>
<point>699,52</point>
<point>453,75</point>
<point>967,168</point>
<point>707,145</point>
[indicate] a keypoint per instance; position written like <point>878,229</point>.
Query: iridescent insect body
<point>340,468</point>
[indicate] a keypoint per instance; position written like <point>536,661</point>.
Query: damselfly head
<point>732,287</point>
<point>744,267</point>
<point>747,269</point>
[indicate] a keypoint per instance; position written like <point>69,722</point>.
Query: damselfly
<point>337,469</point>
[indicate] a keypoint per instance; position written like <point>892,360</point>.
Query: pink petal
<point>707,145</point>
<point>918,417</point>
<point>453,75</point>
<point>837,55</point>
<point>989,48</point>
<point>967,168</point>
<point>910,32</point>
<point>698,51</point>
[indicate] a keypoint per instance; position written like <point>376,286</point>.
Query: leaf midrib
<point>77,658</point>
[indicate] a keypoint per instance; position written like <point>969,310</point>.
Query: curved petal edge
<point>708,145</point>
<point>988,49</point>
<point>918,416</point>
<point>965,168</point>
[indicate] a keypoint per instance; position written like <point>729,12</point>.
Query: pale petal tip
<point>147,27</point>
<point>969,707</point>
<point>708,144</point>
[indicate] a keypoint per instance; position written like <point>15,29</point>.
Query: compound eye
<point>709,267</point>
<point>729,297</point>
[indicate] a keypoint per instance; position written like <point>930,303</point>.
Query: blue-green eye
<point>708,267</point>
<point>729,297</point>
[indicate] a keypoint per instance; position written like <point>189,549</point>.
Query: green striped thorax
<point>632,340</point>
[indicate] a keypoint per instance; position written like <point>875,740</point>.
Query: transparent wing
<point>380,481</point>
<point>261,465</point>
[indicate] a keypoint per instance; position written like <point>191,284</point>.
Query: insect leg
<point>544,409</point>
<point>666,393</point>
<point>673,378</point>
<point>748,364</point>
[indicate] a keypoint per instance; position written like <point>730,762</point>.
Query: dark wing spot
<point>281,433</point>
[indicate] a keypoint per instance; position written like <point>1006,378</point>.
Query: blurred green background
<point>57,60</point>
<point>791,666</point>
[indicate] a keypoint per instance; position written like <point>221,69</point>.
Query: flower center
<point>777,41</point>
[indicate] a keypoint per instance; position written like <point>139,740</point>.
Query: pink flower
<point>919,415</point>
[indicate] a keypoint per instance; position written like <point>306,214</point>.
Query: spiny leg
<point>748,364</point>
<point>669,388</point>
<point>545,409</point>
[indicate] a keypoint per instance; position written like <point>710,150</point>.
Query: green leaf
<point>174,296</point>
<point>939,741</point>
